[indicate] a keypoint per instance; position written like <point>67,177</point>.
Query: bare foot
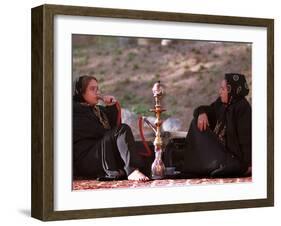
<point>137,175</point>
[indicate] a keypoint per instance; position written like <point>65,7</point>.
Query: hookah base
<point>155,177</point>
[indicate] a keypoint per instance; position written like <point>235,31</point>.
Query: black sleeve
<point>84,127</point>
<point>85,124</point>
<point>244,131</point>
<point>112,113</point>
<point>210,110</point>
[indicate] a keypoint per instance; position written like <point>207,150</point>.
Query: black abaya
<point>206,155</point>
<point>100,152</point>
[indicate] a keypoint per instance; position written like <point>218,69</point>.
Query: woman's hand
<point>202,122</point>
<point>109,100</point>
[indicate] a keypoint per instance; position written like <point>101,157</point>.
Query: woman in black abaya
<point>101,147</point>
<point>219,138</point>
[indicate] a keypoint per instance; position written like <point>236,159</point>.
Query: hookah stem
<point>158,142</point>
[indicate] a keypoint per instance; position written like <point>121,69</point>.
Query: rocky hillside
<point>189,70</point>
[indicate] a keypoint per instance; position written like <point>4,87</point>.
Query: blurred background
<point>189,70</point>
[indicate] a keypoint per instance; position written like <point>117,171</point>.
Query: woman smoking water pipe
<point>102,146</point>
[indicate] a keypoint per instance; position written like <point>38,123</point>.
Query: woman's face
<point>223,92</point>
<point>91,93</point>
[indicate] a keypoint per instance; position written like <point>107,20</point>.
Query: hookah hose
<point>118,106</point>
<point>148,150</point>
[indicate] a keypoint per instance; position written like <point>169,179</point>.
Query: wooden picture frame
<point>42,205</point>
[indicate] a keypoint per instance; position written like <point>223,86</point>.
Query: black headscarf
<point>77,91</point>
<point>79,85</point>
<point>237,88</point>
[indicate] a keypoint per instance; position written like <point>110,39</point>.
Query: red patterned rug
<point>94,184</point>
